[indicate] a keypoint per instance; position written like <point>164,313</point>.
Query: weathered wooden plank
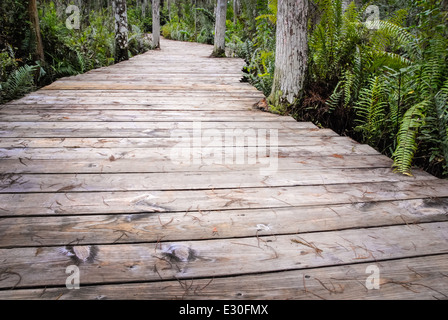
<point>248,178</point>
<point>98,85</point>
<point>159,164</point>
<point>156,94</point>
<point>154,125</point>
<point>127,202</point>
<point>181,135</point>
<point>159,78</point>
<point>302,137</point>
<point>199,225</point>
<point>244,102</point>
<point>422,278</point>
<point>153,92</point>
<point>46,266</point>
<point>185,156</point>
<point>163,106</point>
<point>63,115</point>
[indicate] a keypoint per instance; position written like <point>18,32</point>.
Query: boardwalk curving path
<point>158,179</point>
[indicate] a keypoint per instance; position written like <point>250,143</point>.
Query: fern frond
<point>391,59</point>
<point>21,81</point>
<point>371,109</point>
<point>388,30</point>
<point>407,137</point>
<point>335,98</point>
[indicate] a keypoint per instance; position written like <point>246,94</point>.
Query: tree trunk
<point>156,24</point>
<point>144,6</point>
<point>121,30</point>
<point>34,18</point>
<point>236,9</point>
<point>220,29</point>
<point>291,54</point>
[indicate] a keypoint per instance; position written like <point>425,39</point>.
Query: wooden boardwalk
<point>117,171</point>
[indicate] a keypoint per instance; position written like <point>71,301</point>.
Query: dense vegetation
<point>383,82</point>
<point>68,50</point>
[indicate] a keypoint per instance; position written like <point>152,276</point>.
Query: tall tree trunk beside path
<point>121,30</point>
<point>219,49</point>
<point>291,54</point>
<point>34,19</point>
<point>156,24</point>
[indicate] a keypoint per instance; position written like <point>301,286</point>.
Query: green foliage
<point>193,24</point>
<point>75,51</point>
<point>371,108</point>
<point>388,83</point>
<point>20,81</point>
<point>67,51</point>
<point>406,138</point>
<point>272,15</point>
<point>260,57</point>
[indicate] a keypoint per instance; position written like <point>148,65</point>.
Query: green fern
<point>20,82</point>
<point>371,109</point>
<point>406,138</point>
<point>388,30</point>
<point>435,132</point>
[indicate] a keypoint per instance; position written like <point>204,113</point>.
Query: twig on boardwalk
<point>65,194</point>
<point>267,246</point>
<point>186,287</point>
<point>158,244</point>
<point>408,286</point>
<point>123,233</point>
<point>410,269</point>
<point>333,290</point>
<point>186,212</point>
<point>77,240</point>
<point>334,211</point>
<point>310,245</point>
<point>104,201</point>
<point>165,224</point>
<point>164,259</point>
<point>43,292</point>
<point>21,161</point>
<point>200,289</point>
<point>7,273</point>
<point>157,271</point>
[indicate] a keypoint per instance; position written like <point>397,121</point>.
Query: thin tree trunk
<point>291,55</point>
<point>34,18</point>
<point>220,29</point>
<point>156,24</point>
<point>236,9</point>
<point>144,6</point>
<point>121,30</point>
